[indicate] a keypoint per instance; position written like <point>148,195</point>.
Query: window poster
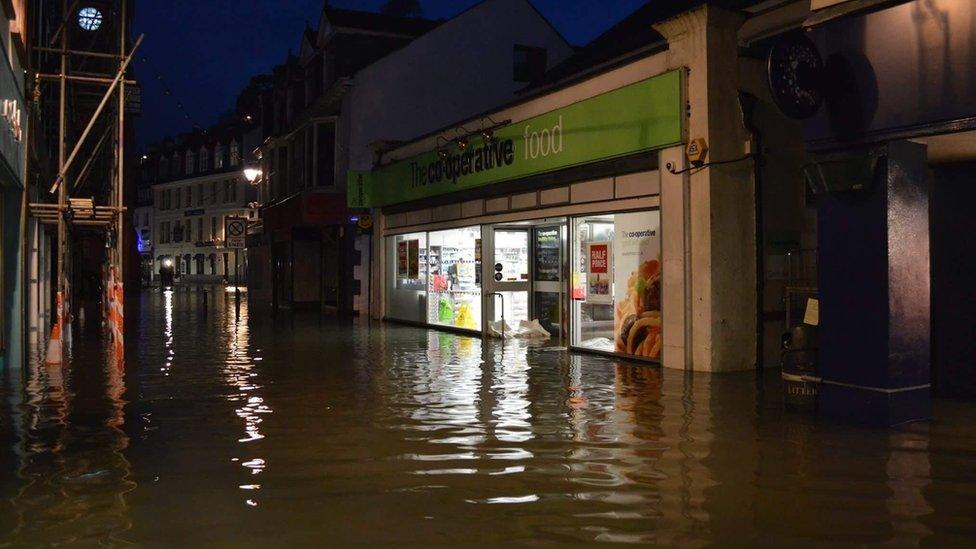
<point>413,259</point>
<point>599,282</point>
<point>402,259</point>
<point>637,270</point>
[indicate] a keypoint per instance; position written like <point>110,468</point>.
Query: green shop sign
<point>643,116</point>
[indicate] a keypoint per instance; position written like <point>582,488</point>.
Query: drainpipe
<point>747,103</point>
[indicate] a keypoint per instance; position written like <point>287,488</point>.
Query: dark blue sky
<point>206,50</point>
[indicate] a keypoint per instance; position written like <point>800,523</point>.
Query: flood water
<point>298,430</point>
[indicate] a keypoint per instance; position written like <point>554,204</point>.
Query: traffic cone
<point>53,357</point>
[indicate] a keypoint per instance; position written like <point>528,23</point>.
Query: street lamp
<point>167,263</point>
<point>252,174</point>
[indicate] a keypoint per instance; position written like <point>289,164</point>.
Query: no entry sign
<point>235,232</point>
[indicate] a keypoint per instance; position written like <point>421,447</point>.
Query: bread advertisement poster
<point>637,266</point>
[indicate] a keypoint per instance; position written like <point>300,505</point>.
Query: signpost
<point>235,234</point>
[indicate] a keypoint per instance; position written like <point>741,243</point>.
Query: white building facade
<point>188,216</point>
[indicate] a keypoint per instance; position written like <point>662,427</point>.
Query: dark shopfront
<point>893,153</point>
<point>305,257</point>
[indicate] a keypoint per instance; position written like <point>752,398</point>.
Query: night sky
<point>206,50</point>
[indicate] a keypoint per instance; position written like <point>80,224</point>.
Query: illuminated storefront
<point>553,217</point>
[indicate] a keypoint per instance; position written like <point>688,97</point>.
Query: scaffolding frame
<point>68,212</point>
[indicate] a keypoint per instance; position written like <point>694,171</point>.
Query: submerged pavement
<point>299,430</point>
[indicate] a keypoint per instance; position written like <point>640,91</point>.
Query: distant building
<point>189,187</point>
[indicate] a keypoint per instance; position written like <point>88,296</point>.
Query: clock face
<point>89,18</point>
<point>795,70</point>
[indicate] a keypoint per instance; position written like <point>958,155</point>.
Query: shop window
<point>616,283</point>
<point>407,277</point>
<point>454,283</point>
<point>529,64</point>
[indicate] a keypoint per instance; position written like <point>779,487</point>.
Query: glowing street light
<point>252,174</point>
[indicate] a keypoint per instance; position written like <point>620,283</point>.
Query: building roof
<point>632,35</point>
<point>378,22</point>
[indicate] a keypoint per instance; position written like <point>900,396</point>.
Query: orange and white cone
<point>54,347</point>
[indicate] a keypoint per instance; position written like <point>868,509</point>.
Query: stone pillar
<point>873,265</point>
<point>720,245</point>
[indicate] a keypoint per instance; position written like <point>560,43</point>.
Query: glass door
<point>509,280</point>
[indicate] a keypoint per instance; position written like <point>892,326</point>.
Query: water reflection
<point>293,429</point>
<point>73,475</point>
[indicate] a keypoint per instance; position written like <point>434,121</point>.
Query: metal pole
<point>120,216</point>
<point>98,111</point>
<point>62,191</point>
<point>237,285</point>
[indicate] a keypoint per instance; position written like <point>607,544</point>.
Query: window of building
<point>179,197</point>
<point>325,161</point>
<point>164,234</point>
<point>177,231</point>
<point>190,161</point>
<point>233,190</point>
<point>200,194</point>
<point>616,263</point>
<point>176,165</point>
<point>213,192</point>
<point>204,159</point>
<point>200,236</point>
<point>213,228</point>
<point>235,153</point>
<point>529,63</point>
<point>407,279</point>
<point>219,157</point>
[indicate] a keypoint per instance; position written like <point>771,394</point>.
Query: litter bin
<point>799,369</point>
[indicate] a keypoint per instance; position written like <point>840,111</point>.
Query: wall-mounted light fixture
<point>442,151</point>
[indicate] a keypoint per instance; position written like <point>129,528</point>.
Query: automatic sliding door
<point>510,277</point>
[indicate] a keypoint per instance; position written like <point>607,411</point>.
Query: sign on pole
<point>235,232</point>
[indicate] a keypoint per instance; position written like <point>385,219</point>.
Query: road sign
<point>235,232</point>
